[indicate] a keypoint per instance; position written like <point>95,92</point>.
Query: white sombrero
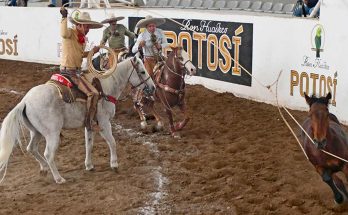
<point>84,18</point>
<point>112,18</point>
<point>149,19</point>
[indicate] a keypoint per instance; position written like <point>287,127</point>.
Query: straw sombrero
<point>78,17</point>
<point>112,18</point>
<point>149,19</point>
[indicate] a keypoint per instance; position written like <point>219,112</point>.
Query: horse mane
<point>170,60</point>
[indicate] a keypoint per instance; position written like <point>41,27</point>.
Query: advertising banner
<point>212,45</point>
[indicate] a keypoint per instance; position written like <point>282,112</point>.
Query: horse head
<point>141,78</point>
<point>184,59</point>
<point>319,115</point>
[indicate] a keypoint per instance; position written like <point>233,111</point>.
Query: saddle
<point>70,93</point>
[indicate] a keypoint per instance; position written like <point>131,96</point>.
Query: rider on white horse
<point>74,42</point>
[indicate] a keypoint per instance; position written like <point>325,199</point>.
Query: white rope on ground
<point>285,121</point>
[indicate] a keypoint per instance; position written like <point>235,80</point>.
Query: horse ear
<point>134,59</point>
<point>308,99</point>
<point>328,96</point>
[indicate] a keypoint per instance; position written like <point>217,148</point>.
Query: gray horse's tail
<point>9,134</point>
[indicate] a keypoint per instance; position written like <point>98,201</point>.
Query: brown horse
<point>170,90</point>
<point>327,134</point>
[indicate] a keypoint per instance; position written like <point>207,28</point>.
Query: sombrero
<point>84,18</point>
<point>149,19</point>
<point>112,18</point>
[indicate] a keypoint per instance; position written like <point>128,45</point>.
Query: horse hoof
<point>114,169</point>
<point>159,126</point>
<point>143,125</point>
<point>60,180</point>
<point>90,168</point>
<point>176,136</point>
<point>114,166</point>
<point>339,200</point>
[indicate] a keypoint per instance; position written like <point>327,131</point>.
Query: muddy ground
<point>235,156</point>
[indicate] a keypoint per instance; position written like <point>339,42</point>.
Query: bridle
<point>183,64</point>
<point>142,80</point>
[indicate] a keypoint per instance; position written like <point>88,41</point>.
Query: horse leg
<point>159,125</point>
<point>33,149</point>
<point>341,188</point>
<point>52,142</point>
<point>179,126</point>
<point>106,133</point>
<point>327,177</point>
<point>171,124</point>
<point>141,113</point>
<point>138,106</point>
<point>89,139</point>
<point>345,170</point>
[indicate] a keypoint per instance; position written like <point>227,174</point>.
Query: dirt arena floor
<point>235,157</point>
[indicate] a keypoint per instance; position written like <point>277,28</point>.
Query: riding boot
<point>158,75</point>
<point>91,121</point>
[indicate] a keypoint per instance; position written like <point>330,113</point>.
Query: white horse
<point>45,114</point>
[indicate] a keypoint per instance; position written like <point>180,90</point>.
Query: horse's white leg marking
<point>106,133</point>
<point>143,124</point>
<point>52,142</point>
<point>33,148</point>
<point>89,139</point>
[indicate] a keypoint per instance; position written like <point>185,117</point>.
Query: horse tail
<point>9,134</point>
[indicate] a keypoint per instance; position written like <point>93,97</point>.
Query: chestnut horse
<point>327,134</point>
<point>170,90</point>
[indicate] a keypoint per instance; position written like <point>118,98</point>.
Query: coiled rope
<point>105,73</point>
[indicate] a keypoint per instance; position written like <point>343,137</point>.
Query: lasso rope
<point>106,73</point>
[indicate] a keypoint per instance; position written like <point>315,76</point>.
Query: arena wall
<point>264,44</point>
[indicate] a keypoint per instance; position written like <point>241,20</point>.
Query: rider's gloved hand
<point>64,12</point>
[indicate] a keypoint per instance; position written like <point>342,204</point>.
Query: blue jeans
<point>13,3</point>
<point>298,11</point>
